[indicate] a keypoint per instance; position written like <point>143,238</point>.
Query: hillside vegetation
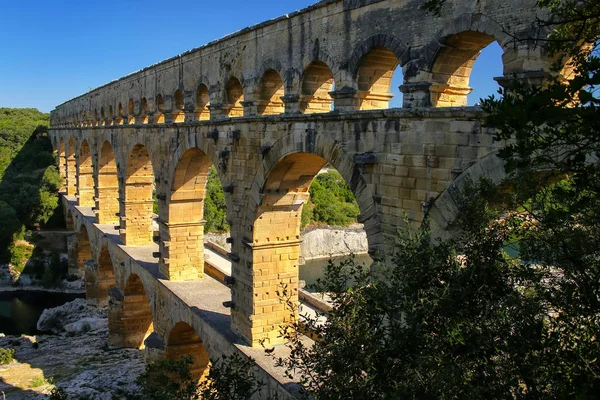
<point>29,179</point>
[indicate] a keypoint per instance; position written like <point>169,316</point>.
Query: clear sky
<point>52,51</point>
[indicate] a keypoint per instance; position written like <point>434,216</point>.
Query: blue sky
<point>52,51</point>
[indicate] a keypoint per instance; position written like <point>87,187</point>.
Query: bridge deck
<point>203,297</point>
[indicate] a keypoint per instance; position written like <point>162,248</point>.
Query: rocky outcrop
<point>325,242</point>
<point>73,317</point>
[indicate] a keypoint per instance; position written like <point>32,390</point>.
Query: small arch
<point>107,189</point>
<point>178,106</point>
<point>317,83</point>
<point>144,111</point>
<point>159,116</point>
<point>201,112</point>
<point>452,65</point>
<point>130,112</point>
<point>374,78</point>
<point>271,91</point>
<point>138,205</point>
<point>235,97</point>
<point>111,115</point>
<point>120,112</point>
<point>184,341</point>
<point>85,177</point>
<point>95,122</point>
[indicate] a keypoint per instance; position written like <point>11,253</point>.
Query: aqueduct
<point>269,106</point>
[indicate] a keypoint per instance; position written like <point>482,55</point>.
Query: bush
<point>6,356</point>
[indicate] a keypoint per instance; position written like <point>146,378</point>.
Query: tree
<point>461,318</point>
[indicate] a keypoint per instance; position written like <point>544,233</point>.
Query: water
<point>315,269</point>
<point>20,310</point>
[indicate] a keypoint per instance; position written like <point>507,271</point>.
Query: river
<point>21,309</point>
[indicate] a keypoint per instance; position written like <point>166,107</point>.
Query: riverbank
<point>78,361</point>
<point>36,288</point>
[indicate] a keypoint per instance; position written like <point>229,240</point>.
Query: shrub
<point>6,355</point>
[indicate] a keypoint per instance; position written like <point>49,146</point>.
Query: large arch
<point>183,340</point>
<point>184,226</point>
<point>270,93</point>
<point>71,168</point>
<point>444,210</point>
<point>85,176</point>
<point>99,278</point>
<point>317,83</point>
<point>129,315</point>
<point>235,96</point>
<point>107,188</point>
<point>136,207</point>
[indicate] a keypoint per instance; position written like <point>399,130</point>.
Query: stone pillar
<point>259,311</point>
<point>250,108</point>
<point>98,282</point>
<point>154,348</point>
<point>444,95</point>
<point>416,95</point>
<point>71,175</point>
<point>345,99</point>
<point>291,103</point>
<point>85,185</point>
<point>72,244</point>
<point>107,205</point>
<point>129,319</point>
<point>136,222</point>
<point>190,115</point>
<point>116,329</point>
<point>528,79</point>
<point>217,111</point>
<point>182,250</point>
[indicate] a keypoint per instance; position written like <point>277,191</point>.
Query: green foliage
<point>331,201</point>
<point>6,355</point>
<point>16,127</point>
<point>461,318</point>
<point>29,180</point>
<point>215,207</point>
<point>231,378</point>
<point>20,255</point>
<point>10,224</point>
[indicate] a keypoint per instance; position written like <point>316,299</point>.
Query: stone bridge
<point>269,106</point>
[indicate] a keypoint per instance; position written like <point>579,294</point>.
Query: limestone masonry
<point>269,106</point>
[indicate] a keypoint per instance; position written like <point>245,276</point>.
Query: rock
<point>86,325</point>
<point>332,242</point>
<point>74,285</point>
<point>75,316</point>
